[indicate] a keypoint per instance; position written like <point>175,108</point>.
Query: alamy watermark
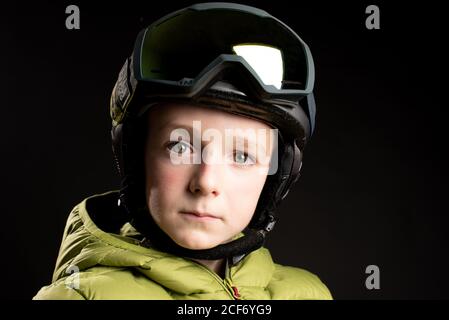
<point>73,19</point>
<point>373,19</point>
<point>254,145</point>
<point>73,280</point>
<point>373,280</point>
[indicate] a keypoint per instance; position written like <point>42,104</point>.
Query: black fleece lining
<point>105,212</point>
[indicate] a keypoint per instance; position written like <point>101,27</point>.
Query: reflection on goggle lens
<point>266,62</point>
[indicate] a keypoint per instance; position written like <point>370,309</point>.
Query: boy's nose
<point>207,177</point>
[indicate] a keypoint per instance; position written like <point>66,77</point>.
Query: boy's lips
<point>199,214</point>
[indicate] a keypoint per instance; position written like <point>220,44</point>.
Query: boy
<point>210,115</point>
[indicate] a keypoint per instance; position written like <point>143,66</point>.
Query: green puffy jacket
<point>112,265</point>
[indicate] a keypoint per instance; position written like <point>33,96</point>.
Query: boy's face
<point>205,171</point>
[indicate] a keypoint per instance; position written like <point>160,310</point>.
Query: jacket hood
<point>97,234</point>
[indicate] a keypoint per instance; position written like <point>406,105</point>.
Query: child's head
<point>195,77</point>
<point>203,193</point>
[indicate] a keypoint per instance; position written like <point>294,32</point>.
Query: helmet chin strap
<point>158,239</point>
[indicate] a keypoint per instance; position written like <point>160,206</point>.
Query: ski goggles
<point>182,53</point>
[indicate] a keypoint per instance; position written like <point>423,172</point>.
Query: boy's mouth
<point>199,215</point>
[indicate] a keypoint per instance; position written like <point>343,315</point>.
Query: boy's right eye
<point>179,147</point>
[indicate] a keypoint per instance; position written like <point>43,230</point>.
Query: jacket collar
<point>86,245</point>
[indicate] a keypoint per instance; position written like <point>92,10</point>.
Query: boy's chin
<point>195,244</point>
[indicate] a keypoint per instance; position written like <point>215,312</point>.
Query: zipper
<point>232,288</point>
<point>222,282</point>
<point>226,283</point>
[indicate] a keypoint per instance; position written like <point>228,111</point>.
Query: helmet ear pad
<point>278,185</point>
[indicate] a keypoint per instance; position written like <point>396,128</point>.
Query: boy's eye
<point>243,158</point>
<point>179,147</point>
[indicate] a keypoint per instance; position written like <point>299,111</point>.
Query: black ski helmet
<point>190,56</point>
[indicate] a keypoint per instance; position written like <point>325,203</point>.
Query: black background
<point>373,188</point>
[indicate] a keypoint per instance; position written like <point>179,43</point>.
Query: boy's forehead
<point>190,121</point>
<point>168,115</point>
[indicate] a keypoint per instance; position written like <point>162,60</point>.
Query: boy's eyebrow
<point>173,126</point>
<point>249,141</point>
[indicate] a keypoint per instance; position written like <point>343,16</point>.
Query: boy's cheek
<point>249,184</point>
<point>169,177</point>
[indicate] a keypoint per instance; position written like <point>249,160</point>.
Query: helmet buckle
<point>270,224</point>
